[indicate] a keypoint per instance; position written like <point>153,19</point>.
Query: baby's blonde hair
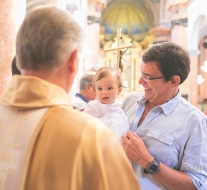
<point>105,71</point>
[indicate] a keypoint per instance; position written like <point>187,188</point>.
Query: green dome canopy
<point>133,16</point>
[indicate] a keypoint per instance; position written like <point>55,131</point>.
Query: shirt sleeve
<point>195,160</point>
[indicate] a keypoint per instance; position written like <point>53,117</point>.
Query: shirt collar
<point>81,97</point>
<point>167,107</point>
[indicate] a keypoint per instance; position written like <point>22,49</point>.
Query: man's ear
<point>120,89</point>
<point>87,87</point>
<point>73,61</point>
<point>175,80</point>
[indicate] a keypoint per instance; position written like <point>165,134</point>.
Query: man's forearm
<point>173,179</point>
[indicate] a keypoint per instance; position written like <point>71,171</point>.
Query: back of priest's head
<point>46,38</point>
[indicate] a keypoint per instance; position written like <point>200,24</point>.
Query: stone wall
<point>11,16</point>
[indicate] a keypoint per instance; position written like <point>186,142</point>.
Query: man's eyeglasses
<point>147,78</point>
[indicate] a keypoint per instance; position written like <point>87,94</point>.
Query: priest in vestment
<point>45,144</point>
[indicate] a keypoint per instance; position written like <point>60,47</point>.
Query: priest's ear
<point>73,61</point>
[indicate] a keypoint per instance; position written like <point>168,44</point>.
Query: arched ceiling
<point>133,16</point>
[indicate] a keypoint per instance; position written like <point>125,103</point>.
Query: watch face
<point>153,167</point>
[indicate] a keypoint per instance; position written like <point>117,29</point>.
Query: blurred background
<point>141,24</point>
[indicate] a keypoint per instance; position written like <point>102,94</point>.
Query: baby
<point>108,85</point>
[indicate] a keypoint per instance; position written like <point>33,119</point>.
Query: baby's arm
<point>91,109</point>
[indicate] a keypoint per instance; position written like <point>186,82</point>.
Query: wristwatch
<point>152,167</point>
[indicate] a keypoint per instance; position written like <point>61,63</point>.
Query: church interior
<point>132,25</point>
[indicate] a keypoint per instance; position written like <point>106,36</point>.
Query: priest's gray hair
<point>46,38</point>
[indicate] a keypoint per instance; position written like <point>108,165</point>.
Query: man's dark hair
<point>171,60</point>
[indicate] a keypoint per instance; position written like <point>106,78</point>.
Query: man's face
<point>157,91</point>
<point>92,93</point>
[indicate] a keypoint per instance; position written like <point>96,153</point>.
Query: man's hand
<point>136,149</point>
<point>138,153</point>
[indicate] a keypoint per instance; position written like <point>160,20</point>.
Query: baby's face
<point>107,89</point>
